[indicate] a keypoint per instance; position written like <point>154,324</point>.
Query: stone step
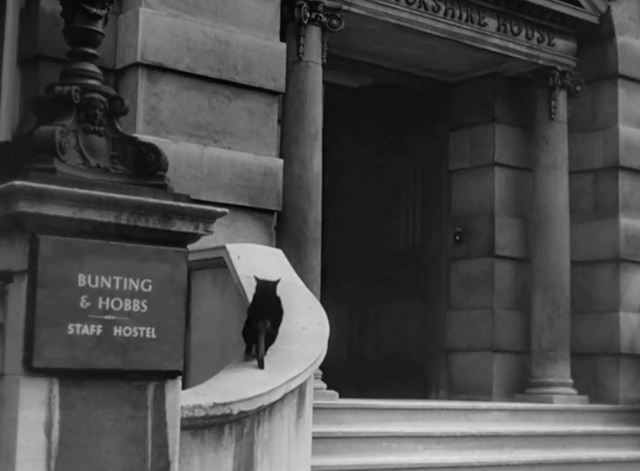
<point>541,461</point>
<point>415,413</point>
<point>384,440</point>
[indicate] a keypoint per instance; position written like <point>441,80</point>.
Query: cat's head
<point>266,285</point>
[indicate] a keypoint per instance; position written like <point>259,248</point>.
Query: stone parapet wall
<point>605,211</point>
<point>487,322</point>
<point>275,437</point>
<point>233,414</point>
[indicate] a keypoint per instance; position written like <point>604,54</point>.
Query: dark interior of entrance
<point>385,238</point>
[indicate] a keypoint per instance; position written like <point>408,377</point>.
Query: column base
<point>551,391</point>
<point>321,391</point>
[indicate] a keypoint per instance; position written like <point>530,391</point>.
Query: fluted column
<point>550,379</point>
<point>299,228</point>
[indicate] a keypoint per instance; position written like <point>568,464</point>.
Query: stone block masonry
<point>204,80</point>
<point>487,324</point>
<point>605,212</point>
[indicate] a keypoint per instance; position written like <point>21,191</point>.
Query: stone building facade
<point>458,180</point>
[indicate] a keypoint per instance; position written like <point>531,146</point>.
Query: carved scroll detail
<point>555,80</point>
<point>315,13</point>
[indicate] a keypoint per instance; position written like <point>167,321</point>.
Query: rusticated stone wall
<point>489,295</point>
<point>205,78</point>
<point>605,211</point>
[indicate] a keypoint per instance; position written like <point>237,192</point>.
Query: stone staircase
<point>385,435</point>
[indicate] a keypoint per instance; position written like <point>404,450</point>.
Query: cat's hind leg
<point>248,352</point>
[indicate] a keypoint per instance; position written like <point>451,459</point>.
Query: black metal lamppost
<point>77,133</point>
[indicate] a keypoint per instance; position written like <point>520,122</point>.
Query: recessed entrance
<point>383,271</point>
<point>392,76</point>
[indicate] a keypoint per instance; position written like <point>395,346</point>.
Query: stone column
<point>299,229</point>
<point>550,379</point>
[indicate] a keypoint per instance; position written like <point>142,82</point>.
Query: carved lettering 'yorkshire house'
<point>477,17</point>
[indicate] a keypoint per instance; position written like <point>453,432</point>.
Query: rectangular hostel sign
<point>100,305</point>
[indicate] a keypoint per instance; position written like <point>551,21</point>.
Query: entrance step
<point>410,413</point>
<point>354,434</point>
<point>381,442</point>
<point>568,461</point>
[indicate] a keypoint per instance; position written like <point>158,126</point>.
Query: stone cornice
<point>48,204</point>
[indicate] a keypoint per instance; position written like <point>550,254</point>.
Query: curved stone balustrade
<point>244,418</point>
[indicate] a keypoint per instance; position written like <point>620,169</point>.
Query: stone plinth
<point>55,419</point>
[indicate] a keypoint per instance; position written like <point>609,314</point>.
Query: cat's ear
<point>275,282</point>
<point>258,280</point>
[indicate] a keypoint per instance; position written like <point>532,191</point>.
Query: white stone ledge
<point>223,176</point>
<point>175,42</point>
<point>242,388</point>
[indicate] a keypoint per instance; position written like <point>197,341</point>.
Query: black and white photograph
<point>319,235</point>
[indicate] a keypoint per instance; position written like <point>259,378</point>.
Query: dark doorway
<point>384,251</point>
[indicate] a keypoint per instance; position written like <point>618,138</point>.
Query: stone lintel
<point>53,205</point>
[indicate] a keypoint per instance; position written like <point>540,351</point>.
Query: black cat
<point>264,317</point>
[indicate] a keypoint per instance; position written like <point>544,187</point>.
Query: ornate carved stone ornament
<point>77,132</point>
<point>555,80</point>
<point>317,13</point>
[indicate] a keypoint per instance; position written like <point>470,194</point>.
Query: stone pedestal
<point>93,268</point>
<point>550,379</point>
<point>61,419</point>
<point>299,228</point>
<point>321,392</point>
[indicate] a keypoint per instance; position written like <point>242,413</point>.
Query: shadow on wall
<point>217,314</point>
<point>235,416</point>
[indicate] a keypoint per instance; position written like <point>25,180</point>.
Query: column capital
<point>556,80</point>
<point>328,17</point>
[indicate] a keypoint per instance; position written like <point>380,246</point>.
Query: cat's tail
<point>262,330</point>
